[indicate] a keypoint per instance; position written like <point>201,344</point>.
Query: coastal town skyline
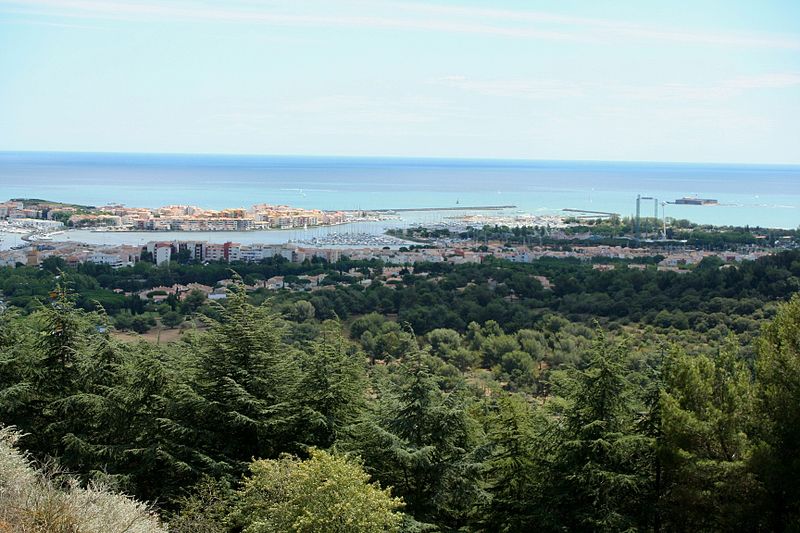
<point>462,237</point>
<point>184,217</point>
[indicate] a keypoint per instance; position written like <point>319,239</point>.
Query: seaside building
<point>213,252</point>
<point>95,220</point>
<point>175,217</point>
<point>103,258</point>
<point>36,224</point>
<point>12,257</point>
<point>32,257</point>
<point>118,257</point>
<point>231,251</point>
<point>7,208</point>
<point>162,253</point>
<point>329,254</point>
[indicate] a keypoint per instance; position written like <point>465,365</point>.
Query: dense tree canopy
<point>514,416</point>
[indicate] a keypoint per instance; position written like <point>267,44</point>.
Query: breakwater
<point>456,208</point>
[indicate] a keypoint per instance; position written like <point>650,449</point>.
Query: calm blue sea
<point>758,195</point>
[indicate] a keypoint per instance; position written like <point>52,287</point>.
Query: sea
<point>754,195</point>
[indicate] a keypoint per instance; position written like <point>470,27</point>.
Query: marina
<point>353,240</point>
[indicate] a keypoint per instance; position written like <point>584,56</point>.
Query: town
<point>456,252</point>
<point>119,217</point>
<point>460,240</point>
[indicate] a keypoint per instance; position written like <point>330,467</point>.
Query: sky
<point>677,80</point>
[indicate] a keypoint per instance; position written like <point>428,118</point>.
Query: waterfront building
<point>32,257</point>
<point>95,220</point>
<point>35,223</point>
<point>231,251</point>
<point>103,258</point>
<point>214,252</point>
<point>162,253</point>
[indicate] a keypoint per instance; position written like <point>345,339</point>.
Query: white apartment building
<point>162,253</point>
<point>103,258</point>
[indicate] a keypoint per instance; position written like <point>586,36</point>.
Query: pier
<point>456,208</point>
<point>588,212</point>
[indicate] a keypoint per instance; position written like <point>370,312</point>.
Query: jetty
<point>588,212</point>
<point>456,208</point>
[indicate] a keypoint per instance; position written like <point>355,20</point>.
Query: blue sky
<point>711,81</point>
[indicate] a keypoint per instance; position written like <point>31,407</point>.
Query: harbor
<point>346,240</point>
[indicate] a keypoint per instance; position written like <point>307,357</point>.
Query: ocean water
<point>756,195</point>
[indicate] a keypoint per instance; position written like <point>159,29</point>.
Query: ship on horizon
<point>693,200</point>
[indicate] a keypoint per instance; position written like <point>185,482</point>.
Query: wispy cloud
<point>271,14</point>
<point>723,89</point>
<point>391,15</point>
<point>778,80</point>
<point>533,89</point>
<point>555,89</point>
<point>337,111</point>
<point>368,110</point>
<point>35,22</point>
<point>598,29</point>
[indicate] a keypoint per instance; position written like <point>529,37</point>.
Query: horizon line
<point>403,157</point>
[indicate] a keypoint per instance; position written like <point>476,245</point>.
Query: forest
<point>436,405</point>
<point>712,298</point>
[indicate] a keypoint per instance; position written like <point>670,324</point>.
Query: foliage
<point>323,494</point>
<point>707,409</point>
<point>244,380</point>
<point>778,393</point>
<point>516,416</point>
<point>419,439</point>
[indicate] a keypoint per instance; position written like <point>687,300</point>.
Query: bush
<point>32,501</point>
<point>141,324</point>
<point>324,493</point>
<point>123,321</point>
<point>172,319</point>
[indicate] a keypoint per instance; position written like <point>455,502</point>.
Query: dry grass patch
<point>32,501</point>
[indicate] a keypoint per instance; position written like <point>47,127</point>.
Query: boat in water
<point>693,200</point>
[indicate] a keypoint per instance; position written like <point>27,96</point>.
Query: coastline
<point>156,231</point>
<point>754,195</point>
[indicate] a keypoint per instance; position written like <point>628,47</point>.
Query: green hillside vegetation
<point>276,418</point>
<point>711,299</point>
<point>38,202</point>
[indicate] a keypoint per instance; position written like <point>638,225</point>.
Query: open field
<point>156,335</point>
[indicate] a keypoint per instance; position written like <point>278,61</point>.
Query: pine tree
<point>42,368</point>
<point>778,458</point>
<point>601,462</point>
<point>333,386</point>
<point>515,467</point>
<point>650,425</point>
<point>706,412</point>
<point>241,400</point>
<point>419,440</point>
<point>121,428</point>
<point>15,364</point>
